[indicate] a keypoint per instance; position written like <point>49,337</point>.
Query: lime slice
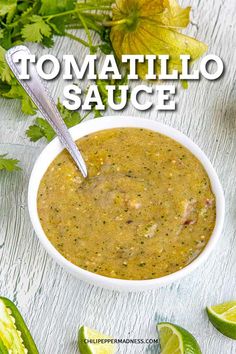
<point>223,318</point>
<point>176,340</point>
<point>93,342</point>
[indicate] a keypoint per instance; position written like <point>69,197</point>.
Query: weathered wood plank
<point>54,303</point>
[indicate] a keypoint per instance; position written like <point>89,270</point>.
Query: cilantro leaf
<point>34,133</point>
<point>37,21</point>
<point>6,38</point>
<point>7,7</point>
<point>27,105</point>
<point>5,72</point>
<point>42,129</point>
<point>4,88</point>
<point>35,31</point>
<point>48,42</point>
<point>51,7</point>
<point>71,118</point>
<point>58,26</point>
<point>8,164</point>
<point>16,91</point>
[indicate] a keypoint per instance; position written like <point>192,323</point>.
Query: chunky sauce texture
<point>146,210</point>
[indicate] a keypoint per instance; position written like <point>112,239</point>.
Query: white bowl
<point>55,147</point>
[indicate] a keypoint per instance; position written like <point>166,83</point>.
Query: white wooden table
<point>55,304</point>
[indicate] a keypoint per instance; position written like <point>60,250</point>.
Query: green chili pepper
<point>14,334</point>
<point>3,349</point>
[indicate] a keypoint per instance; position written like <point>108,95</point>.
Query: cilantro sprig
<point>8,164</point>
<point>42,129</point>
<point>39,21</point>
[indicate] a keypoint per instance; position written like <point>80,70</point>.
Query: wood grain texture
<point>53,302</point>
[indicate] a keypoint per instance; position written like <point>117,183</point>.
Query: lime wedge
<point>223,318</point>
<point>176,340</point>
<point>93,342</point>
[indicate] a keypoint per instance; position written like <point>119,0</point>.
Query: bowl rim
<point>48,154</point>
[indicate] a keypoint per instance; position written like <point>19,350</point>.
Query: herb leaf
<point>37,21</point>
<point>8,164</point>
<point>42,129</point>
<point>16,91</point>
<point>50,7</point>
<point>71,118</point>
<point>8,7</point>
<point>35,31</point>
<point>5,72</point>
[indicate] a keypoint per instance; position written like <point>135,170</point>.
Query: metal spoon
<point>43,100</point>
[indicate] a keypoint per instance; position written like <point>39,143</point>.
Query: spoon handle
<point>43,100</point>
